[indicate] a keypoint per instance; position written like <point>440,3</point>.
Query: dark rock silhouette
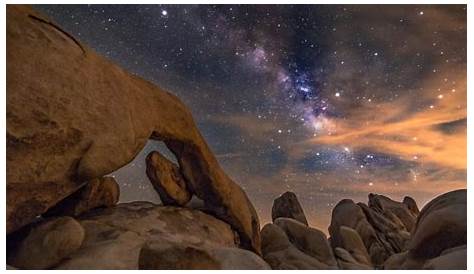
<point>288,206</point>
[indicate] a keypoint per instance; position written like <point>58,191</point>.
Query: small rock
<point>288,206</point>
<point>101,192</point>
<point>167,180</point>
<point>48,243</point>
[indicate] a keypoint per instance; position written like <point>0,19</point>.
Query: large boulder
<point>73,116</point>
<point>167,180</point>
<point>280,253</point>
<point>47,244</point>
<point>173,255</point>
<point>450,259</point>
<point>308,240</point>
<point>103,192</point>
<point>347,213</point>
<point>442,224</point>
<point>115,236</point>
<point>288,206</point>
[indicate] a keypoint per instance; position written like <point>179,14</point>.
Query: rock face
<point>288,206</point>
<point>353,244</point>
<point>115,236</point>
<point>167,180</point>
<point>395,211</point>
<point>103,192</point>
<point>77,117</point>
<point>47,244</point>
<point>172,255</point>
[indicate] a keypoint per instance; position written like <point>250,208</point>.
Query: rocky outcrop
<point>288,206</point>
<point>308,240</point>
<point>103,192</point>
<point>395,211</point>
<point>73,116</point>
<point>347,213</point>
<point>47,244</point>
<point>167,180</point>
<point>280,253</point>
<point>411,204</point>
<point>172,255</point>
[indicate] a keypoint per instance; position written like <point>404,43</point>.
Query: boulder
<point>279,253</point>
<point>103,192</point>
<point>310,241</point>
<point>288,206</point>
<point>47,244</point>
<point>353,244</point>
<point>167,180</point>
<point>173,255</point>
<point>442,224</point>
<point>347,213</point>
<point>115,236</point>
<point>73,116</point>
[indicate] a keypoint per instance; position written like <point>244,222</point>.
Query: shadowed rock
<point>389,207</point>
<point>411,204</point>
<point>73,116</point>
<point>103,192</point>
<point>167,180</point>
<point>352,242</point>
<point>288,206</point>
<point>279,253</point>
<point>310,241</point>
<point>47,244</point>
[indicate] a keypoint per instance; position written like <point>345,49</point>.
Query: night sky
<point>327,101</point>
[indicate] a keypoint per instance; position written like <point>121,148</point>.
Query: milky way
<point>327,101</point>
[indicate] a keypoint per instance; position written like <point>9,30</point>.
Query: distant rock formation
<point>73,116</point>
<point>288,206</point>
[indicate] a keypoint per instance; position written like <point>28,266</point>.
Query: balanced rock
<point>103,192</point>
<point>77,116</point>
<point>47,244</point>
<point>167,180</point>
<point>279,253</point>
<point>288,206</point>
<point>175,255</point>
<point>347,213</point>
<point>310,241</point>
<point>115,236</point>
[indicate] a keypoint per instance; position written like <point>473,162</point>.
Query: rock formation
<point>287,205</point>
<point>73,116</point>
<point>167,180</point>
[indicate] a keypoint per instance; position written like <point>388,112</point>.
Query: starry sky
<point>327,101</point>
